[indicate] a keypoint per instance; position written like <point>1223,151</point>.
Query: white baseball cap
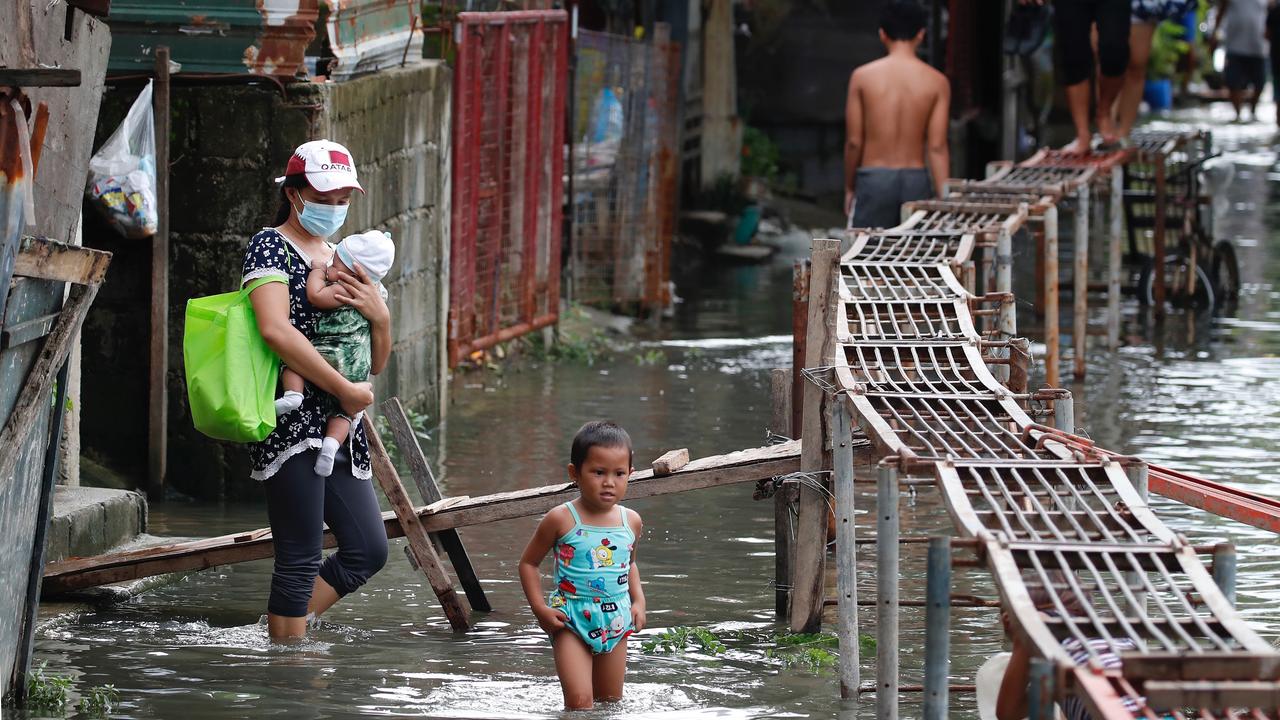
<point>326,164</point>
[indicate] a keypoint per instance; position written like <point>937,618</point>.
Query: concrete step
<point>89,521</point>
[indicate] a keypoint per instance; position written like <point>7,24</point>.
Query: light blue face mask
<point>322,220</point>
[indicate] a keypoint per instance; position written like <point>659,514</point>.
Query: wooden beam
<point>158,395</point>
<point>738,467</point>
<point>51,260</point>
<point>420,550</point>
<point>809,570</point>
<point>420,470</point>
<point>783,497</point>
<point>39,77</point>
<point>39,383</point>
<point>670,462</point>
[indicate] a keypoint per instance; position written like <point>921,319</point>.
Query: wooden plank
<point>24,332</point>
<point>39,382</point>
<point>670,462</point>
<point>39,77</point>
<point>1200,666</point>
<point>421,551</point>
<point>449,539</point>
<point>783,497</point>
<point>50,260</point>
<point>808,573</point>
<point>713,471</point>
<point>158,380</point>
<point>1213,694</point>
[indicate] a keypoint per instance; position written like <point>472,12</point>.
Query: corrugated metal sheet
<point>268,37</point>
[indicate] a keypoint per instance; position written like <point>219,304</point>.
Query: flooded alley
<point>1198,393</point>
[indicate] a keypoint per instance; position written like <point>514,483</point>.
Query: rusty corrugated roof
<point>268,37</point>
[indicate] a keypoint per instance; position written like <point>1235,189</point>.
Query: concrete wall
<point>228,142</point>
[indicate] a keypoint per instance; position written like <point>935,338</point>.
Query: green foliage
<point>99,701</point>
<point>417,423</point>
<point>760,156</point>
<point>1167,47</point>
<point>681,638</point>
<point>652,356</point>
<point>582,348</point>
<point>47,693</point>
<point>813,652</point>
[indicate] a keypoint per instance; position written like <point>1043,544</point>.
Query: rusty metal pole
<point>1080,282</point>
<point>1052,338</point>
<point>158,392</point>
<point>1157,252</point>
<point>1115,231</point>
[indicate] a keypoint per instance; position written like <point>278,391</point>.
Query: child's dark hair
<point>598,433</point>
<point>903,19</point>
<point>296,182</point>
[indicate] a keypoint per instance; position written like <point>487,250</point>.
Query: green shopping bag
<point>231,372</point>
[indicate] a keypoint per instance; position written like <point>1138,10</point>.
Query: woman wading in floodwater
<point>314,194</point>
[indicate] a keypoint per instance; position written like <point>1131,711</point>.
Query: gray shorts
<point>880,193</point>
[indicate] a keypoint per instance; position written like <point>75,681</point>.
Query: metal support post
<point>887,593</point>
<point>1064,413</point>
<point>846,549</point>
<point>937,638</point>
<point>1040,694</point>
<point>1116,205</point>
<point>1138,473</point>
<point>1224,570</point>
<point>1008,317</point>
<point>1052,339</point>
<point>1080,282</point>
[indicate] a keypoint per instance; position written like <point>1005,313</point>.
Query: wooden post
<point>449,539</point>
<point>1114,267</point>
<point>420,550</point>
<point>1080,282</point>
<point>846,548</point>
<point>1064,415</point>
<point>783,497</point>
<point>887,592</point>
<point>799,332</point>
<point>158,395</point>
<point>1006,321</point>
<point>1052,336</point>
<point>808,572</point>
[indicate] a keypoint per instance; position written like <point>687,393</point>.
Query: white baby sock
<point>288,402</point>
<point>324,463</point>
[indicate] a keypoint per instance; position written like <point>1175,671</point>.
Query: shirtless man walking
<point>896,121</point>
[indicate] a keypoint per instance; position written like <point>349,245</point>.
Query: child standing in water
<point>597,600</point>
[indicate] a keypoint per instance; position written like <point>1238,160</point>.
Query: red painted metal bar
<point>533,172</point>
<point>561,84</point>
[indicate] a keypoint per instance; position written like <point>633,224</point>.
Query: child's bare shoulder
<point>635,522</point>
<point>558,520</point>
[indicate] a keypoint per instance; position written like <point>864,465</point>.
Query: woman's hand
<point>362,294</point>
<point>637,615</point>
<point>356,397</point>
<point>551,621</point>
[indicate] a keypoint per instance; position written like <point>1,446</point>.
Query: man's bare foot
<point>1079,146</point>
<point>1107,129</point>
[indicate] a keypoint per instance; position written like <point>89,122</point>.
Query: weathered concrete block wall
<point>228,143</point>
<point>397,126</point>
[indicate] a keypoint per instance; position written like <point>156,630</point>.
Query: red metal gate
<point>509,89</point>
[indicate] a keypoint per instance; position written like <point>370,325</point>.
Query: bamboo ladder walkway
<point>900,343</point>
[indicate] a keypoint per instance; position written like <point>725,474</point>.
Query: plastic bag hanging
<point>122,174</point>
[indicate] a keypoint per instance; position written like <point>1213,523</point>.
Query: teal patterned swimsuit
<point>593,567</point>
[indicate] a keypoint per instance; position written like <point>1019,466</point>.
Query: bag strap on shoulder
<point>259,282</point>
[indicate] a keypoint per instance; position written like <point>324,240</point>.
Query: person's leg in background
<point>1073,21</point>
<point>1135,76</point>
<point>1258,74</point>
<point>1233,74</point>
<point>1112,17</point>
<point>1275,77</point>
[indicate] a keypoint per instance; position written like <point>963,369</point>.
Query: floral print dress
<point>270,253</point>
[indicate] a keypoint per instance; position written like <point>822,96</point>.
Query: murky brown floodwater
<point>1210,405</point>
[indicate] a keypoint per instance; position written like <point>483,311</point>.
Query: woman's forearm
<point>381,345</point>
<point>300,355</point>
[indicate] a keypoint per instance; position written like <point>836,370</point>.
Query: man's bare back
<point>896,99</point>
